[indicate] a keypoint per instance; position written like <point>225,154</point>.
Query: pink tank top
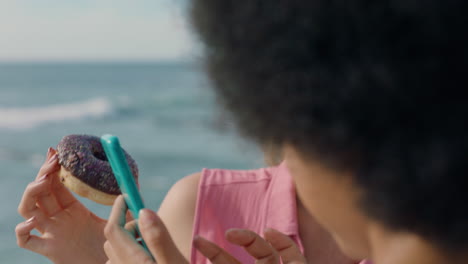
<point>251,199</point>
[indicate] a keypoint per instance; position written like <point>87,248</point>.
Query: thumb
<point>158,239</point>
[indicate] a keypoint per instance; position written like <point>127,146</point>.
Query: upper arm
<point>178,212</point>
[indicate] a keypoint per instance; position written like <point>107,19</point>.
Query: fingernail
<point>266,230</point>
<point>53,159</point>
<point>199,239</point>
<point>147,218</point>
<point>48,152</point>
<point>30,220</point>
<point>42,178</point>
<point>236,231</point>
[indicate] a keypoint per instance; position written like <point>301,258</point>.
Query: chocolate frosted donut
<point>86,171</point>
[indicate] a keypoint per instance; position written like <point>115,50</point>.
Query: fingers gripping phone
<point>124,177</point>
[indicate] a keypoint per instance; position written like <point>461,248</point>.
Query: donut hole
<point>100,155</point>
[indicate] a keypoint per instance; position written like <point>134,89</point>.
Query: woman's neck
<point>406,248</point>
<point>319,246</point>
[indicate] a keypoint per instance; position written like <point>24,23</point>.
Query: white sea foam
<point>25,118</point>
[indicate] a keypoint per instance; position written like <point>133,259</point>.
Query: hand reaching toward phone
<point>121,247</point>
<point>69,232</point>
<point>268,250</point>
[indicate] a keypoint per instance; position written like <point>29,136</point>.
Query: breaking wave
<point>30,117</point>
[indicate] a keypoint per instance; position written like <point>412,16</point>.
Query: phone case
<point>123,175</point>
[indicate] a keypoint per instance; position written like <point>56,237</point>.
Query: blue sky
<point>43,30</point>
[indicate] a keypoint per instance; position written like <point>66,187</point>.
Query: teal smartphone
<point>124,177</point>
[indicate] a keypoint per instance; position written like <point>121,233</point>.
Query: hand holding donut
<point>122,248</point>
<point>70,233</point>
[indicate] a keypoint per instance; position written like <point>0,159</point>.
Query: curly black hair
<point>371,86</point>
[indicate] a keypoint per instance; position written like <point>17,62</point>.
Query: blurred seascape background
<point>119,67</point>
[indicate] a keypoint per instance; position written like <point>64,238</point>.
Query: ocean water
<point>164,114</point>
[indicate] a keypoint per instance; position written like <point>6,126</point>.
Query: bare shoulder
<point>178,211</point>
<point>183,194</point>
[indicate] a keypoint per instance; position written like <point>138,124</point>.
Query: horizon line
<point>99,61</point>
